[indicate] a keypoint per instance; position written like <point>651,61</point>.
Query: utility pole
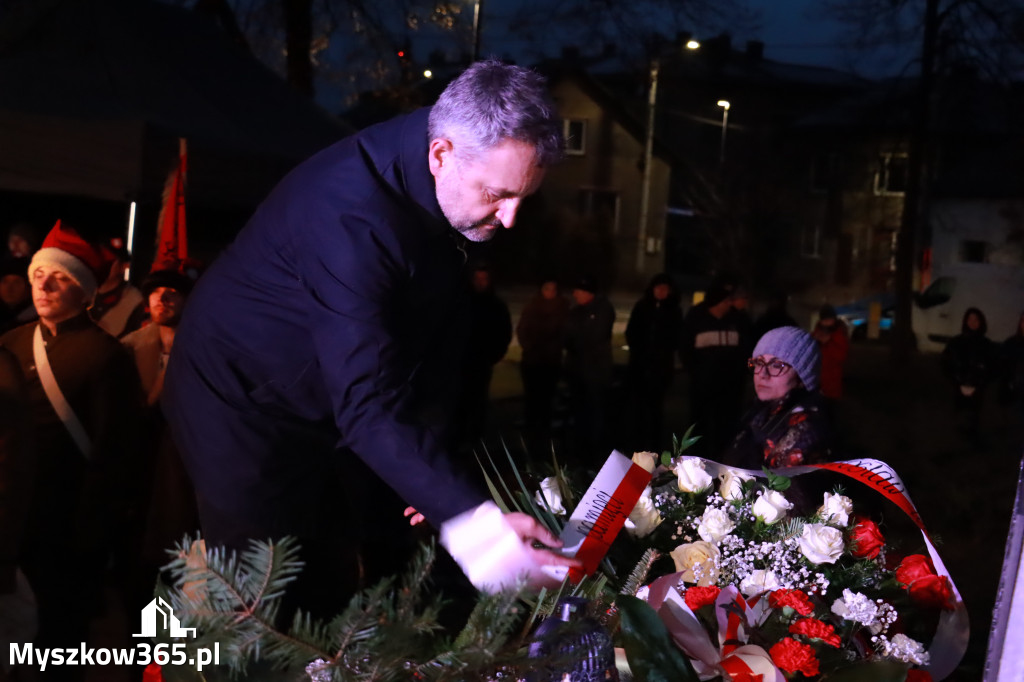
<point>477,18</point>
<point>645,185</point>
<point>903,332</point>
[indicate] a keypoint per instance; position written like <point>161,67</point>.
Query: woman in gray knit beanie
<point>788,426</point>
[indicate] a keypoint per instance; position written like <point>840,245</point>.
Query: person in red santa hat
<point>84,401</point>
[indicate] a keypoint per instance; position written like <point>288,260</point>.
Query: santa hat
<point>65,250</point>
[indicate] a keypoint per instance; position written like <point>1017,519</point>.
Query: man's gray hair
<point>491,102</point>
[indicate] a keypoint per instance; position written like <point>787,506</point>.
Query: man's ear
<point>439,154</point>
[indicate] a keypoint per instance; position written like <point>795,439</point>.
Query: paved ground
<point>900,415</point>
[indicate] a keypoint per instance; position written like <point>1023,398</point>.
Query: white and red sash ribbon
<point>602,512</point>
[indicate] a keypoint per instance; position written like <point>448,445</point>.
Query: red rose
<point>791,656</point>
<point>913,567</point>
<point>918,675</point>
<point>815,629</point>
<point>865,539</point>
<point>934,591</point>
<point>697,597</point>
<point>794,599</point>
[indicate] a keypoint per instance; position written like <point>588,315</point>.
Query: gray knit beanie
<point>795,347</point>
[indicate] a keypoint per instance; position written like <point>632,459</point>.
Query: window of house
<point>575,132</point>
<point>891,176</point>
<point>602,205</point>
<point>972,251</point>
<point>824,171</point>
<point>810,241</point>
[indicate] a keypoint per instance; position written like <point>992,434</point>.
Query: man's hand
<point>416,518</point>
<point>530,531</point>
<point>495,549</point>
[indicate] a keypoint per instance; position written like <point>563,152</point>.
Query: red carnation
<point>697,597</point>
<point>791,656</point>
<point>815,629</point>
<point>866,540</point>
<point>918,675</point>
<point>913,567</point>
<point>794,599</point>
<point>932,590</point>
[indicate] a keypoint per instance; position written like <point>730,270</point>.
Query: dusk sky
<point>792,30</point>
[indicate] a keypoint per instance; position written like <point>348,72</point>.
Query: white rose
<point>715,524</point>
<point>692,476</point>
<point>549,497</point>
<point>645,517</point>
<point>821,544</point>
<point>771,506</point>
<point>731,487</point>
<point>759,581</point>
<point>836,509</point>
<point>698,561</point>
<point>647,460</point>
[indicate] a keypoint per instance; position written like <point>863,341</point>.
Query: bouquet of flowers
<point>759,589</point>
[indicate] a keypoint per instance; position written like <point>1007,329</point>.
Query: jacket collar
<point>81,321</point>
<point>415,171</point>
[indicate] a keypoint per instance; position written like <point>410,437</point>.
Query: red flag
<point>172,242</point>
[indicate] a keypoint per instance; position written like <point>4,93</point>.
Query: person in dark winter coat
<point>170,512</point>
<point>788,425</point>
<point>970,361</point>
<point>15,295</point>
<point>541,331</point>
<point>490,332</point>
<point>1011,384</point>
<point>15,467</point>
<point>588,369</point>
<point>653,334</point>
<point>715,348</point>
<point>85,483</point>
<point>774,316</point>
<point>322,337</point>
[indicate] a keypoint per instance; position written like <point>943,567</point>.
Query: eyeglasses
<point>775,367</point>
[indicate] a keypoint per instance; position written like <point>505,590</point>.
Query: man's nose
<point>507,212</point>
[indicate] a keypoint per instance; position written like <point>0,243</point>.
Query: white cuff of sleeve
<point>491,553</point>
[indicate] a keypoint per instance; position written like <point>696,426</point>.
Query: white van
<point>996,290</point>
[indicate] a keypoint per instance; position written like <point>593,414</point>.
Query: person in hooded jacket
<point>490,332</point>
<point>653,334</point>
<point>589,369</point>
<point>1011,383</point>
<point>540,332</point>
<point>970,361</point>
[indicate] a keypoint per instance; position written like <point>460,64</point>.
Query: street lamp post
<point>725,126</point>
<point>645,183</point>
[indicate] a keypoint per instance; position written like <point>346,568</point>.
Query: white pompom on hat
<point>795,347</point>
<point>65,250</point>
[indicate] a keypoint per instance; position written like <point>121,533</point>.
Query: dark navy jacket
<point>317,330</point>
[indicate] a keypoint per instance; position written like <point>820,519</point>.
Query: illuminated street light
<point>725,126</point>
<point>428,74</point>
<point>692,45</point>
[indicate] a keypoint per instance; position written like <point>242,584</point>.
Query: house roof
<point>84,78</point>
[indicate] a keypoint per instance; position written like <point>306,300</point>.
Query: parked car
<point>855,315</point>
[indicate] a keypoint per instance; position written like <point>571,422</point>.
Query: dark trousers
<point>259,477</point>
<point>539,385</point>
